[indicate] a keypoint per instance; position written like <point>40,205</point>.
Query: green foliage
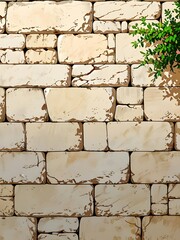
<point>163,40</point>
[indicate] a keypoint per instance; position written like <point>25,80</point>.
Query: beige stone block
<point>95,136</point>
<point>22,167</point>
<point>12,56</point>
<point>41,56</point>
<point>152,136</point>
<point>156,167</point>
<point>122,199</point>
<point>111,40</point>
<point>159,209</point>
<point>6,190</point>
<point>34,75</point>
<point>87,167</point>
<point>58,224</point>
<point>36,41</point>
<point>177,136</point>
<point>160,227</point>
<point>106,27</point>
<point>62,236</point>
<point>63,200</point>
<point>49,17</point>
<point>12,41</point>
<point>124,27</point>
<point>73,49</point>
<point>129,113</point>
<point>100,75</point>
<point>174,191</point>
<point>143,77</point>
<point>80,104</point>
<point>159,193</point>
<point>6,207</point>
<point>129,95</point>
<point>19,227</point>
<point>31,105</point>
<point>168,6</point>
<point>117,10</point>
<point>167,102</point>
<point>2,104</point>
<point>174,206</point>
<point>133,23</point>
<point>12,137</point>
<point>110,228</point>
<point>54,136</point>
<point>3,9</point>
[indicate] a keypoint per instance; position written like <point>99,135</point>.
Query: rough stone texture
<point>149,137</point>
<point>58,224</point>
<point>174,207</point>
<point>64,200</point>
<point>3,9</point>
<point>97,51</point>
<point>49,17</point>
<point>22,167</point>
<point>129,113</point>
<point>36,41</point>
<point>80,104</point>
<point>129,95</point>
<point>117,10</point>
<point>41,56</point>
<point>34,75</point>
<point>6,207</point>
<point>87,167</point>
<point>167,102</point>
<point>12,41</point>
<point>159,228</point>
<point>2,104</point>
<point>6,190</point>
<point>20,227</point>
<point>60,136</point>
<point>110,228</point>
<point>174,191</point>
<point>106,27</point>
<point>12,56</point>
<point>155,167</point>
<point>63,236</point>
<point>124,27</point>
<point>159,193</point>
<point>100,75</point>
<point>159,209</point>
<point>177,136</point>
<point>12,137</point>
<point>128,199</point>
<point>29,109</point>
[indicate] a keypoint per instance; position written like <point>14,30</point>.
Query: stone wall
<point>89,144</point>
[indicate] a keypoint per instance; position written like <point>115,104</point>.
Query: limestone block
<point>106,27</point>
<point>174,191</point>
<point>124,27</point>
<point>12,41</point>
<point>54,136</point>
<point>87,167</point>
<point>41,56</point>
<point>49,17</point>
<point>174,206</point>
<point>63,200</point>
<point>34,75</point>
<point>129,95</point>
<point>159,193</point>
<point>80,104</point>
<point>129,113</point>
<point>26,104</point>
<point>10,56</point>
<point>156,167</point>
<point>177,136</point>
<point>63,236</point>
<point>123,199</point>
<point>6,190</point>
<point>22,167</point>
<point>36,41</point>
<point>6,206</point>
<point>100,75</point>
<point>3,9</point>
<point>12,137</point>
<point>159,209</point>
<point>152,136</point>
<point>2,104</point>
<point>110,228</point>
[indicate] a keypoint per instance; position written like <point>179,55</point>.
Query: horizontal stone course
<point>6,206</point>
<point>35,41</point>
<point>6,190</point>
<point>61,236</point>
<point>41,56</point>
<point>12,41</point>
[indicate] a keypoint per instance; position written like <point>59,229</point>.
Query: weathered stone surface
<point>114,10</point>
<point>12,136</point>
<point>12,41</point>
<point>152,136</point>
<point>110,228</point>
<point>128,199</point>
<point>156,167</point>
<point>31,105</point>
<point>54,136</point>
<point>159,209</point>
<point>36,41</point>
<point>58,224</point>
<point>129,95</point>
<point>174,206</point>
<point>19,227</point>
<point>34,75</point>
<point>167,6</point>
<point>63,236</point>
<point>143,77</point>
<point>64,200</point>
<point>167,102</point>
<point>41,56</point>
<point>49,17</point>
<point>106,27</point>
<point>87,167</point>
<point>177,136</point>
<point>111,41</point>
<point>2,104</point>
<point>22,167</point>
<point>6,190</point>
<point>73,49</point>
<point>80,104</point>
<point>6,207</point>
<point>124,27</point>
<point>3,9</point>
<point>174,191</point>
<point>100,75</point>
<point>160,227</point>
<point>95,136</point>
<point>129,113</point>
<point>159,193</point>
<point>12,56</point>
